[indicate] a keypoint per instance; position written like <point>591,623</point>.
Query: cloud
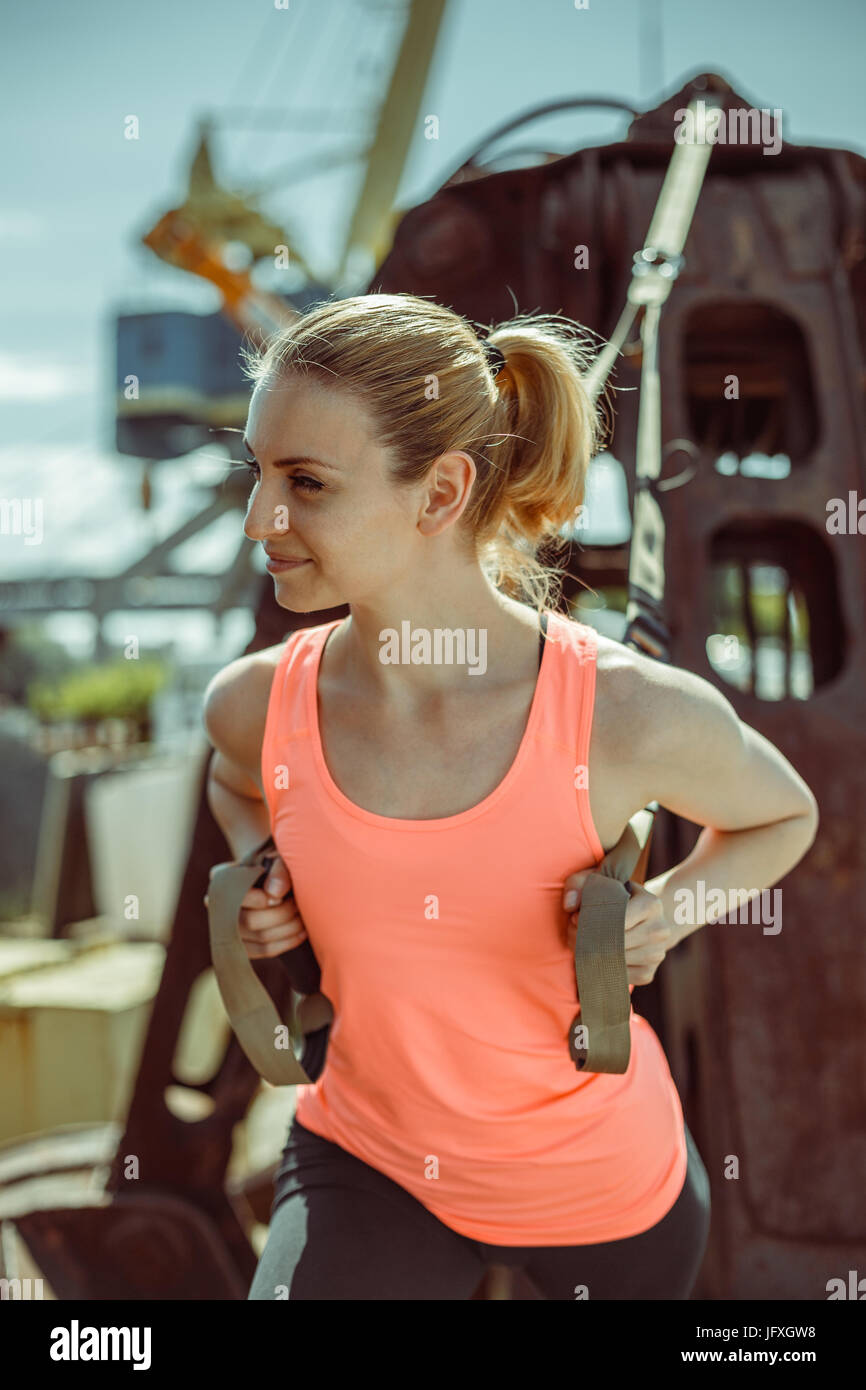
<point>33,379</point>
<point>91,517</point>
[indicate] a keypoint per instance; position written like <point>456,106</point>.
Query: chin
<point>314,599</point>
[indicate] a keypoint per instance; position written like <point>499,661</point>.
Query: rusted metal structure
<point>772,293</point>
<point>760,1029</point>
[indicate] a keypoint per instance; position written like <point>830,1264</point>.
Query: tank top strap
<point>569,705</point>
<point>287,712</point>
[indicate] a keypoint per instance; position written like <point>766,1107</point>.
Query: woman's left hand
<point>648,934</point>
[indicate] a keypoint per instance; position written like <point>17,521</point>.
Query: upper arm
<point>234,710</point>
<point>696,757</point>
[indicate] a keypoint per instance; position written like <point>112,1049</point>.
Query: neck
<point>429,640</point>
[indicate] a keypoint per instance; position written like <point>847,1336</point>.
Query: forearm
<point>243,820</point>
<point>727,869</point>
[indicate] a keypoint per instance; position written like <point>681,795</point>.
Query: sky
<point>77,195</point>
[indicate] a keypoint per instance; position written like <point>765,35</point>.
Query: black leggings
<point>342,1230</point>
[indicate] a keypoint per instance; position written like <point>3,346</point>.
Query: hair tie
<point>495,359</point>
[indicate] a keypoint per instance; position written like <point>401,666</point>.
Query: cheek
<point>375,524</point>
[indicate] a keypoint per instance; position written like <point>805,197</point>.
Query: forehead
<point>289,416</point>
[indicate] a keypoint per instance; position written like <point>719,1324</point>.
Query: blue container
<point>178,377</point>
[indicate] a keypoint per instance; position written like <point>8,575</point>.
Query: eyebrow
<point>285,463</point>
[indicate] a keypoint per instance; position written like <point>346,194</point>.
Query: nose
<point>266,516</point>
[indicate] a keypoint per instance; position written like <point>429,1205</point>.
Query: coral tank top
<point>442,946</point>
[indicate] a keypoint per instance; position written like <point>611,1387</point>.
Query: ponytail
<point>547,432</point>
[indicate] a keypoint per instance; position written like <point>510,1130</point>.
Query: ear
<point>448,488</point>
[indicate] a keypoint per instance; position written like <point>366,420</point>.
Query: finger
<point>284,937</point>
<point>571,889</point>
<point>646,935</point>
<point>643,907</point>
<point>651,954</point>
<point>293,935</point>
<point>278,881</point>
<point>643,974</point>
<point>640,977</point>
<point>266,917</point>
<point>258,898</point>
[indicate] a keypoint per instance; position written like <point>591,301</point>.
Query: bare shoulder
<point>661,733</point>
<point>650,720</point>
<point>655,705</point>
<point>235,706</point>
<point>631,677</point>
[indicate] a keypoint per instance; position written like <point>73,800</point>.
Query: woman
<point>441,770</point>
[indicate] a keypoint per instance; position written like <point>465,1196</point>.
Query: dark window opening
<point>749,388</point>
<point>778,631</point>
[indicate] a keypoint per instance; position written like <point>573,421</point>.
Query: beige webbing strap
<point>266,1039</point>
<point>600,1036</point>
<point>666,237</point>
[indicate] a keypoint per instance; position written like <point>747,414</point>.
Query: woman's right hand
<point>269,922</point>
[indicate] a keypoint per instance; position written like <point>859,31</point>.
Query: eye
<point>301,481</point>
<point>306,484</point>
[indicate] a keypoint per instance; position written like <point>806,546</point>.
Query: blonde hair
<point>421,371</point>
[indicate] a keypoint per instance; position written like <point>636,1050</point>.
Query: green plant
<point>118,690</point>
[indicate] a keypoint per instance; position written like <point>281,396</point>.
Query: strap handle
<point>267,1040</point>
<point>599,1038</point>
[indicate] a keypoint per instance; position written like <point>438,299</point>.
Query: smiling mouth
<point>280,562</point>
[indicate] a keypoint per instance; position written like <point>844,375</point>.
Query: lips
<point>281,564</point>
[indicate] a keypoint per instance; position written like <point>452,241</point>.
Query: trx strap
<point>654,270</point>
<point>267,1040</point>
<point>599,1038</point>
